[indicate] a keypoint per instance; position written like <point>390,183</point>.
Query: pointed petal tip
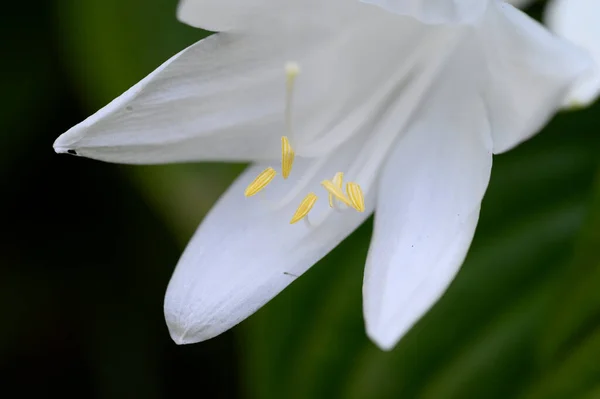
<point>181,337</point>
<point>65,144</point>
<point>64,150</point>
<point>184,333</point>
<point>61,150</point>
<point>188,325</point>
<point>384,334</point>
<point>381,339</point>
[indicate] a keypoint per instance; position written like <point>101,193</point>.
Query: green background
<point>88,249</point>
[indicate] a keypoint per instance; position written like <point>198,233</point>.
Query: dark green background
<point>87,250</point>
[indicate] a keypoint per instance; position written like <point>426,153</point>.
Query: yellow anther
<point>292,69</point>
<point>356,196</point>
<point>260,182</point>
<point>337,181</point>
<point>305,206</point>
<point>287,157</point>
<point>336,191</point>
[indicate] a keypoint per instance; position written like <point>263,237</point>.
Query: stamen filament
<point>356,196</point>
<point>287,157</point>
<point>261,181</point>
<point>337,180</point>
<point>292,70</point>
<point>336,192</point>
<point>305,206</point>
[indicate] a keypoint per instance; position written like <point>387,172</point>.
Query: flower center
<point>352,198</point>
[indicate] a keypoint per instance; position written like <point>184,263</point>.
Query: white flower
<point>579,22</point>
<point>410,112</point>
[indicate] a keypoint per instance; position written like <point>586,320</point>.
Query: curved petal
<point>222,98</point>
<point>435,11</point>
<point>182,110</point>
<point>530,74</point>
<point>245,251</point>
<point>578,21</point>
<point>427,206</point>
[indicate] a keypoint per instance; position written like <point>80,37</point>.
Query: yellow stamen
<point>287,157</point>
<point>305,206</point>
<point>336,192</point>
<point>356,196</point>
<point>337,180</point>
<point>260,182</point>
<point>292,69</point>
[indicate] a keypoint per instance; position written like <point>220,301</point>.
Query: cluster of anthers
<point>352,198</point>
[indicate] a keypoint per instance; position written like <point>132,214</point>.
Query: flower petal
<point>222,98</point>
<point>579,22</point>
<point>417,286</point>
<point>269,15</point>
<point>221,15</point>
<point>428,205</point>
<point>183,110</point>
<point>435,11</point>
<point>245,251</point>
<point>530,72</point>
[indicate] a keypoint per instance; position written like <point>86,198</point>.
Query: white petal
<point>428,204</point>
<point>221,15</point>
<point>215,100</point>
<point>245,251</point>
<point>268,15</point>
<point>530,73</point>
<point>435,11</point>
<point>579,22</point>
<point>222,99</point>
<point>418,287</point>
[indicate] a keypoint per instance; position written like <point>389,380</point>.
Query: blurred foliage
<point>522,320</point>
<point>27,79</point>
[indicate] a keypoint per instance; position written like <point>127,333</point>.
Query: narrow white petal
<point>246,251</point>
<point>221,15</point>
<point>215,100</point>
<point>267,15</point>
<point>530,72</point>
<point>222,98</point>
<point>579,22</point>
<point>428,204</point>
<point>435,11</point>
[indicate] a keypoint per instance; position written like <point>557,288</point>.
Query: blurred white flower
<point>409,112</point>
<point>579,22</point>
